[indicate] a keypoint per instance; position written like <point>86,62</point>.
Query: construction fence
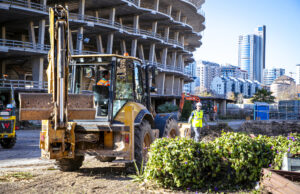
<point>284,110</point>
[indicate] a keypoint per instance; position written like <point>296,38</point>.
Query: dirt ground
<point>93,177</point>
<point>21,171</point>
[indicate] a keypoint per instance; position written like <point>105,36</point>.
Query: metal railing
<point>77,52</point>
<point>128,29</point>
<point>27,4</point>
<point>23,84</point>
<point>136,2</point>
<point>22,44</point>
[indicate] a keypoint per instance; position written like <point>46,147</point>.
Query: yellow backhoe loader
<point>96,104</point>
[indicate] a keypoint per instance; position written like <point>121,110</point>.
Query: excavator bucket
<point>39,106</point>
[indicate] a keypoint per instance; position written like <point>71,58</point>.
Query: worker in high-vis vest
<point>105,80</point>
<point>196,120</point>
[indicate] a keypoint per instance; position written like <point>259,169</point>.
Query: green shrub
<point>246,155</point>
<point>178,163</point>
<point>167,107</point>
<point>186,110</point>
<point>231,161</point>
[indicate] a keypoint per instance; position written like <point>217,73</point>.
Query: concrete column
<point>41,38</point>
<point>152,52</point>
<point>160,78</point>
<point>71,42</point>
<point>29,3</point>
<point>97,15</point>
<point>169,60</point>
<point>37,70</point>
<point>3,34</point>
<point>31,33</point>
<point>138,3</point>
<point>172,84</point>
<point>169,10</point>
<point>123,47</point>
<point>23,37</point>
<point>3,67</point>
<point>110,40</point>
<point>79,42</point>
<point>179,61</point>
<point>154,27</point>
<point>223,108</point>
<point>182,40</point>
<point>141,52</point>
<point>81,8</point>
<point>176,86</point>
<point>167,32</point>
<point>174,54</point>
<point>156,5</point>
<point>176,36</point>
<point>164,56</point>
<point>184,19</point>
<point>99,44</point>
<point>133,47</point>
<point>136,23</point>
<point>178,15</point>
<point>112,15</point>
<point>44,3</point>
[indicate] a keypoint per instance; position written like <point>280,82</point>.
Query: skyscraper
<point>271,74</point>
<point>206,71</point>
<point>251,53</point>
<point>298,74</point>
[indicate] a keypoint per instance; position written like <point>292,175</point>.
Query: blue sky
<point>227,19</point>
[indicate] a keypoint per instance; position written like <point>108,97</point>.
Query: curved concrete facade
<point>160,32</point>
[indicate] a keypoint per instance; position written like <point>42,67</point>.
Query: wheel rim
<point>146,145</point>
<point>172,133</point>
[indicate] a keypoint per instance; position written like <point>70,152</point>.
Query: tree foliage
<point>186,110</point>
<point>167,107</point>
<point>263,95</point>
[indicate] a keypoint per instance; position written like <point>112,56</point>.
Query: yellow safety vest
<point>197,118</point>
<point>103,83</point>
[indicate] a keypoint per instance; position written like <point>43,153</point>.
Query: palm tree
<point>263,95</point>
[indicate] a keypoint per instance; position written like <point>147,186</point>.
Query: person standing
<point>196,120</point>
<point>216,113</point>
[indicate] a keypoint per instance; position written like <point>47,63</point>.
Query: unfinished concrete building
<point>160,32</point>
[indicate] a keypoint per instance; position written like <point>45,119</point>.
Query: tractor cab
<point>114,80</point>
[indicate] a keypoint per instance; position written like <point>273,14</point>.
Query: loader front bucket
<point>39,106</point>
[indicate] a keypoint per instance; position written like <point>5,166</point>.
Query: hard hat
<point>199,104</point>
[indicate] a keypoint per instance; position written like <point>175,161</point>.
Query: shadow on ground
<point>111,172</point>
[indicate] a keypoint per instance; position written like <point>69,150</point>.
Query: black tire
<point>8,143</point>
<point>68,165</point>
<point>171,129</point>
<point>105,159</point>
<point>142,132</point>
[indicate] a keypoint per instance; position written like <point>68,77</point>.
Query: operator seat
<point>101,97</point>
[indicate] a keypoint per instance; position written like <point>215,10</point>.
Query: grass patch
<point>16,176</point>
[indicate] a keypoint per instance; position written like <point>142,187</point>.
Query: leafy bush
<point>167,107</point>
<point>231,161</point>
<point>177,163</point>
<point>186,110</point>
<point>246,155</point>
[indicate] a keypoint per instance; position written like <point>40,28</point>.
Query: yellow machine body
<point>7,125</point>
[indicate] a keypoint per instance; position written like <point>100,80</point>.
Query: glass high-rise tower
<point>251,56</point>
<point>271,74</point>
